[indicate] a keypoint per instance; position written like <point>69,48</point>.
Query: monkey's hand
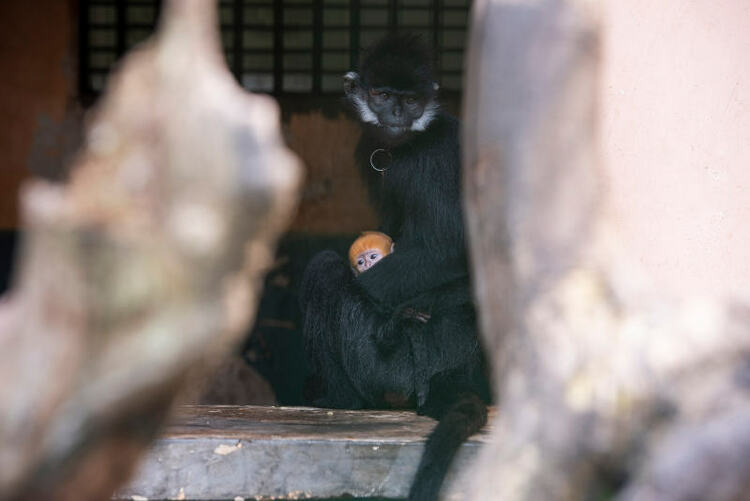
<point>413,314</point>
<point>391,333</point>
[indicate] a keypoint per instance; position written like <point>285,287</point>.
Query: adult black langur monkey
<point>406,329</point>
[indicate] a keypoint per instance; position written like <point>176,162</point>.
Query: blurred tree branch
<point>147,262</point>
<point>605,380</point>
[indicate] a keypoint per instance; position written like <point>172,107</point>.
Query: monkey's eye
<point>411,100</point>
<point>373,256</point>
<point>382,96</point>
<point>360,261</point>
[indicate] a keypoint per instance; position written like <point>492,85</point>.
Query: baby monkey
<point>368,249</point>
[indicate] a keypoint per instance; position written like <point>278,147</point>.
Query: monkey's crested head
<point>399,61</point>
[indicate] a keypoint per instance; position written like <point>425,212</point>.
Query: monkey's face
<point>367,259</point>
<point>396,112</point>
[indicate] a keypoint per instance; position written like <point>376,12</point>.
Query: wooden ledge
<point>229,452</point>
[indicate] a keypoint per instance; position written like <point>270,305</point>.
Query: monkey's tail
<point>461,420</point>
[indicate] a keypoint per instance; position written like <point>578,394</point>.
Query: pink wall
<point>676,138</point>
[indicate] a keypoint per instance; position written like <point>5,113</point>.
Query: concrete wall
<point>37,83</point>
<point>676,138</point>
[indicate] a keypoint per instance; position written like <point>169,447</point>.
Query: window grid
<point>281,47</point>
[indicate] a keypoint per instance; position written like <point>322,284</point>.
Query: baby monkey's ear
<point>351,83</point>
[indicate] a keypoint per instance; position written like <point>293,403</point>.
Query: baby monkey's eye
<point>373,256</point>
<point>360,261</point>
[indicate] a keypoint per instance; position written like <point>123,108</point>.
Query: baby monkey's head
<point>368,249</point>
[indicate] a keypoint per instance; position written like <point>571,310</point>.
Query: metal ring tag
<point>372,155</point>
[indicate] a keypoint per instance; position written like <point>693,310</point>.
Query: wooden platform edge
<point>229,452</point>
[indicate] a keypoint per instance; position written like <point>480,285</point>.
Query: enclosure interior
<point>296,51</point>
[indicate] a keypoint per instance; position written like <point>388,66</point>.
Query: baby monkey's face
<point>366,259</point>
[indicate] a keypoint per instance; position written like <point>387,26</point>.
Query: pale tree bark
<point>147,262</point>
<point>607,383</point>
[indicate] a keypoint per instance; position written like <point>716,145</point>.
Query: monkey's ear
<point>351,83</point>
<point>435,86</point>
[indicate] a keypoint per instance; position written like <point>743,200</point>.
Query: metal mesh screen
<point>282,47</point>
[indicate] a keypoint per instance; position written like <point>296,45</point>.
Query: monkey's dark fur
<point>362,336</point>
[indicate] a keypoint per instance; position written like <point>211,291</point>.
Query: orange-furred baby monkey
<point>368,249</point>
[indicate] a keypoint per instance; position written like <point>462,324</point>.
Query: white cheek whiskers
<point>422,122</point>
<point>365,112</point>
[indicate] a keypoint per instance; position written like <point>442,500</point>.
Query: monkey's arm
<point>430,250</point>
<point>407,273</point>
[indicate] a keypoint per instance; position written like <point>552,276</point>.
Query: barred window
<point>282,47</point>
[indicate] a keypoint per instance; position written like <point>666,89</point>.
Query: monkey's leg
<point>323,294</point>
<point>451,387</point>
